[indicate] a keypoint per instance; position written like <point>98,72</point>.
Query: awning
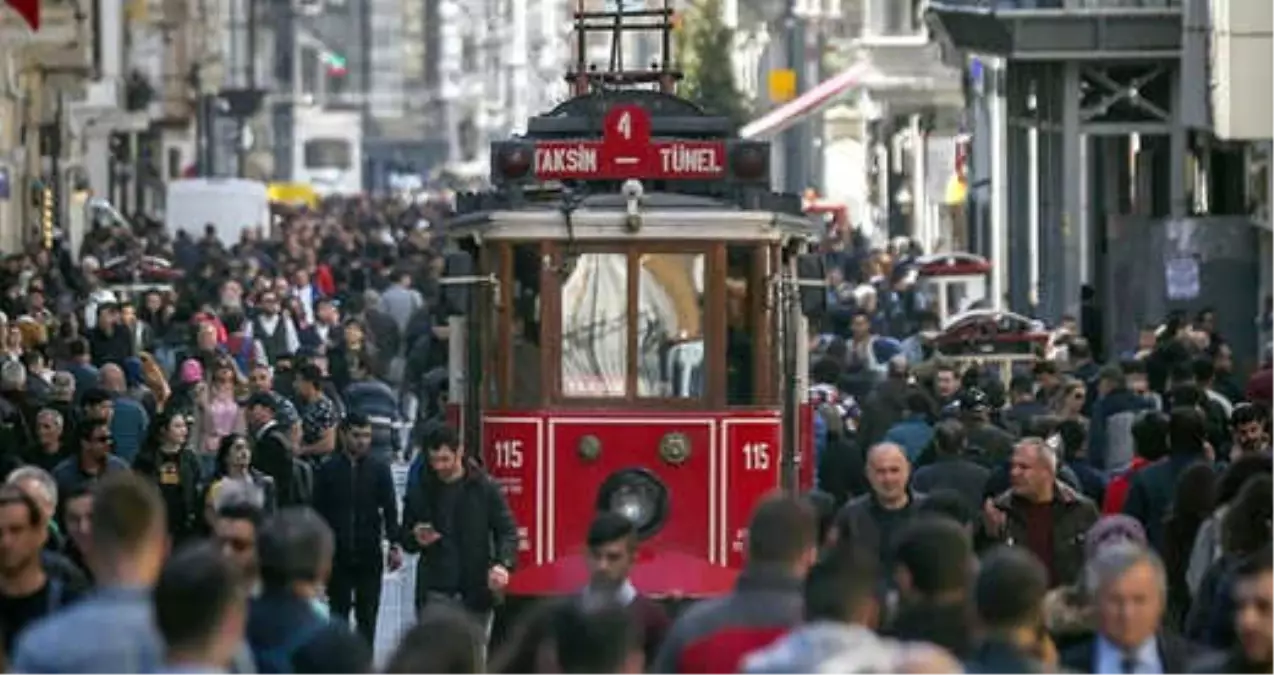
<point>808,103</point>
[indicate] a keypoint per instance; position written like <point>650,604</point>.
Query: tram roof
<point>663,216</point>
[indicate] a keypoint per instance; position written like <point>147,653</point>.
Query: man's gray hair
<point>1047,451</point>
<point>43,481</point>
<point>13,376</point>
<point>53,415</point>
<point>1112,562</point>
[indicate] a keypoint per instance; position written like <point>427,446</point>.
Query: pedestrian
<point>29,589</point>
<point>129,542</point>
<point>286,631</point>
<point>952,469</point>
<point>1151,490</point>
<point>612,551</point>
<point>715,636</point>
<point>840,619</point>
<point>1253,651</point>
<point>1040,513</point>
<point>871,521</point>
<point>933,571</point>
<point>603,638</point>
<point>201,608</point>
<point>1128,588</point>
<point>354,492</point>
<point>444,640</point>
<point>456,517</point>
<point>92,459</point>
<point>1009,596</point>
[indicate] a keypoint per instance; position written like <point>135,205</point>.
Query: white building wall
<point>1242,53</point>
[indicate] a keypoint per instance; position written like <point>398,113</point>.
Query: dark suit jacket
<point>1174,654</point>
<point>272,456</point>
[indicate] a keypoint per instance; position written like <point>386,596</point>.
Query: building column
<point>1021,197</point>
<point>996,86</point>
<point>1178,199</point>
<point>920,229</point>
<point>1051,259</point>
<point>1072,188</point>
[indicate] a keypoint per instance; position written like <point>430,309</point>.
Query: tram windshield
<point>665,327</point>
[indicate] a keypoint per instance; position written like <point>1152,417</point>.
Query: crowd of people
<point>197,478</point>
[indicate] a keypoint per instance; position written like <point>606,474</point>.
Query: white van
<point>231,205</point>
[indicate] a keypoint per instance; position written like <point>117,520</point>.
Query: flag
<point>29,10</point>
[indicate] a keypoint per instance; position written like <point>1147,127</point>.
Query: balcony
<point>908,72</point>
<point>1060,30</point>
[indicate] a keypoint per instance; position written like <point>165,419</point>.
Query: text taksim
<point>680,159</point>
<point>570,159</point>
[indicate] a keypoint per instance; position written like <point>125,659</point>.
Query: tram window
<point>526,390</point>
<point>595,326</point>
<point>740,330</point>
<point>670,348</point>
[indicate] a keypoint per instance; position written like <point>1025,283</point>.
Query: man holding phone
<point>456,517</point>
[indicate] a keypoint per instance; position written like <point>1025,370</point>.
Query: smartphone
<point>424,528</point>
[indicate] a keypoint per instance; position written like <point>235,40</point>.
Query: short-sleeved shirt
<point>284,410</point>
<point>316,418</point>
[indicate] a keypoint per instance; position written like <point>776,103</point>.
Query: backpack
<point>302,482</point>
<point>278,659</point>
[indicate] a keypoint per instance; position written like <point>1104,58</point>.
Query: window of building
<point>328,153</point>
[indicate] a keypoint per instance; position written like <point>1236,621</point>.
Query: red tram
<point>633,328</point>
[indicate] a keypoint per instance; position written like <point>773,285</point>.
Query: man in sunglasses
<point>93,459</point>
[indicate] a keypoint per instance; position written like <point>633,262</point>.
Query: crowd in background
<point>1100,511</point>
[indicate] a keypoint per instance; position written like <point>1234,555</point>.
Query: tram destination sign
<point>627,151</point>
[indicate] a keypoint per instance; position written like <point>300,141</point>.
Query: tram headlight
<point>511,161</point>
<point>750,161</point>
<point>639,496</point>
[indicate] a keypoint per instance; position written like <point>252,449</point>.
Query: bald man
<point>129,420</point>
<point>870,521</point>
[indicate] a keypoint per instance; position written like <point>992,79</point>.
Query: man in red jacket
<point>612,548</point>
<point>715,635</point>
<point>1150,443</point>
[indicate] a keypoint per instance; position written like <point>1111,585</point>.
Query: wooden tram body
<point>634,331</point>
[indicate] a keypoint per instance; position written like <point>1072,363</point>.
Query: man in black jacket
<point>271,447</point>
<point>354,492</point>
<point>455,515</point>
